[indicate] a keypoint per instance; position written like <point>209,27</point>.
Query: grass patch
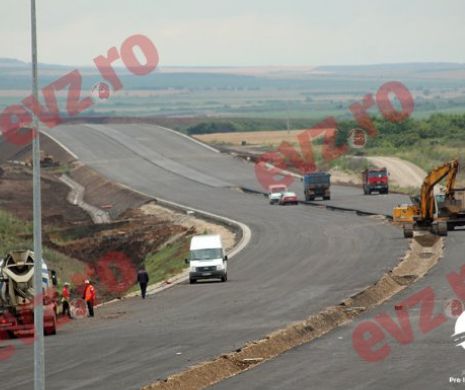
<point>351,164</point>
<point>62,169</point>
<point>16,234</point>
<point>168,261</point>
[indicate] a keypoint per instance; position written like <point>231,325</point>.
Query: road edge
<point>245,231</point>
<point>245,238</point>
<point>256,352</point>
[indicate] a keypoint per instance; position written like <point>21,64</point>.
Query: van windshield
<point>206,254</point>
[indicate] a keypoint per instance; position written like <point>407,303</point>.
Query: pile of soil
<point>135,237</point>
<point>16,197</point>
<point>114,252</point>
<point>69,230</point>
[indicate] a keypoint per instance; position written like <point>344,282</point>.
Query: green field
<point>283,94</point>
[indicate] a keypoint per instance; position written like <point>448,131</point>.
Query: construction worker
<point>89,297</point>
<point>65,298</point>
<point>143,279</point>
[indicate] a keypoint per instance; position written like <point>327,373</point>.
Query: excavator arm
<point>450,183</point>
<point>434,177</point>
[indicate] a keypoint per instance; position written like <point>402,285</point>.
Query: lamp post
<point>39,356</point>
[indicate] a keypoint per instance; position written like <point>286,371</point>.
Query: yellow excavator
<point>437,214</point>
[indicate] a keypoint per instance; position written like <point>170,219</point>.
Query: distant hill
<point>414,68</point>
<point>12,62</point>
<point>340,79</point>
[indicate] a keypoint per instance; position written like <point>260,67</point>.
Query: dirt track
<point>403,173</point>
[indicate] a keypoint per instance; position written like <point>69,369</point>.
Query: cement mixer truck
<point>17,295</point>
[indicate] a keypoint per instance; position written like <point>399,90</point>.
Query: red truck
<point>375,179</point>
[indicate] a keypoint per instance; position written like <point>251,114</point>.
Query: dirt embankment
<point>103,193</point>
<point>70,231</point>
<point>192,223</point>
<point>139,226</point>
<point>124,243</point>
<point>16,197</point>
<point>134,234</point>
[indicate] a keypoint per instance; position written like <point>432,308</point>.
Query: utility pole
<point>39,356</point>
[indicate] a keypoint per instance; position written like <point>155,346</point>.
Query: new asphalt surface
<point>300,260</point>
<point>430,359</point>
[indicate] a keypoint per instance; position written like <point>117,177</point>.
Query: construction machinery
<point>437,214</point>
<point>404,213</point>
<point>17,295</point>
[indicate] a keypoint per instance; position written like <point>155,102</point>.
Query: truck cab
<point>375,180</point>
<point>317,184</point>
<point>207,259</point>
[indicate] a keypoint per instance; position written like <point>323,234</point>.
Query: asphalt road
<point>428,361</point>
<point>300,260</point>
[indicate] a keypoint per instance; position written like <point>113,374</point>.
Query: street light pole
<point>39,358</point>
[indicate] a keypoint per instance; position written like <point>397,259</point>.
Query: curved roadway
<point>431,360</point>
<point>300,260</point>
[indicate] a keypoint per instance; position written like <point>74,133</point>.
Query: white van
<point>207,259</point>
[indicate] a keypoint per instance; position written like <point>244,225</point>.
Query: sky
<point>241,32</point>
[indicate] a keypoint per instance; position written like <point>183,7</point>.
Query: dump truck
<point>17,295</point>
<point>436,213</point>
<point>317,184</point>
<point>375,180</point>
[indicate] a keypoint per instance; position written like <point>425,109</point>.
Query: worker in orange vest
<point>65,298</point>
<point>89,297</point>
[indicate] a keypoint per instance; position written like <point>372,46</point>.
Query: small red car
<point>288,198</point>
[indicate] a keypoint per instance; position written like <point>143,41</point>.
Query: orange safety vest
<point>89,294</point>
